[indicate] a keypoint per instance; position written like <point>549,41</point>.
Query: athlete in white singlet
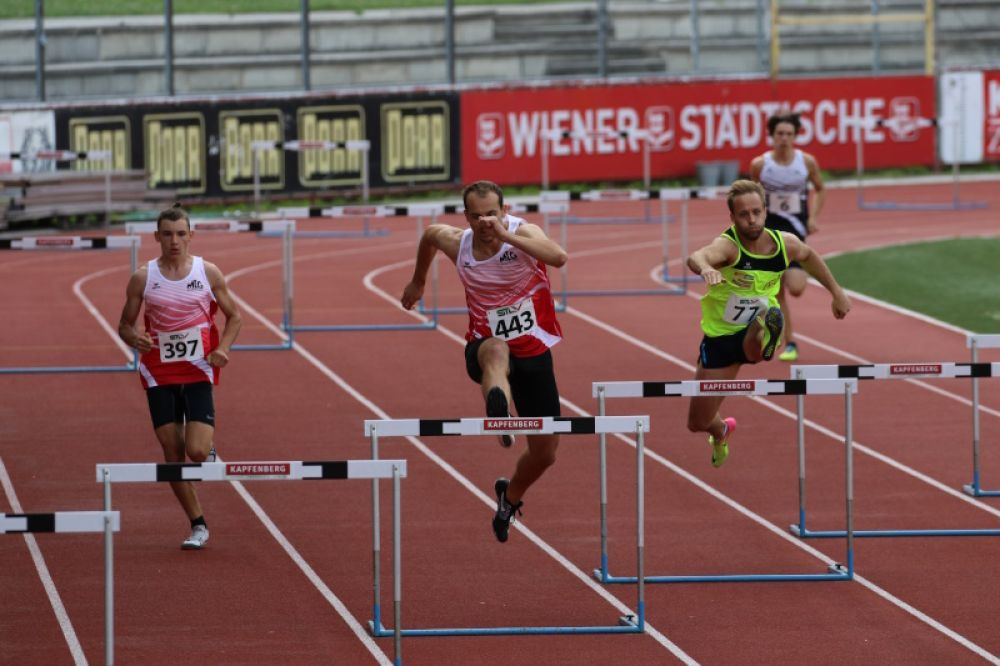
<point>182,351</point>
<point>501,262</point>
<point>785,172</point>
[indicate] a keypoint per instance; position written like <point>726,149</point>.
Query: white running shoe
<point>198,538</point>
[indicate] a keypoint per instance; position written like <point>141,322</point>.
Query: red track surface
<point>245,600</point>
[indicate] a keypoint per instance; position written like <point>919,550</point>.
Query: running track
<point>286,577</point>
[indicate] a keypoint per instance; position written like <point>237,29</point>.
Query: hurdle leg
<point>397,585</point>
<point>376,623</point>
<point>849,475</point>
<point>602,573</point>
<point>800,528</point>
<point>109,580</point>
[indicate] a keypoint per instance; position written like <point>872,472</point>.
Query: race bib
<point>181,345</point>
<point>744,309</point>
<point>513,321</point>
<point>786,202</point>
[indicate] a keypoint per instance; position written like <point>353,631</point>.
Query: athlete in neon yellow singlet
<point>740,317</point>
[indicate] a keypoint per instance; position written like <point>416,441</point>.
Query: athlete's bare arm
<point>443,237</point>
<point>531,239</point>
<point>817,268</point>
<point>820,199</point>
<point>130,313</point>
<point>219,356</point>
<point>707,260</point>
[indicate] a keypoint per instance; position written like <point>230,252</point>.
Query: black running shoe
<point>505,510</point>
<point>496,408</point>
<point>773,322</point>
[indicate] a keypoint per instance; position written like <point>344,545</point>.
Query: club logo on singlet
<point>508,257</point>
<point>195,285</point>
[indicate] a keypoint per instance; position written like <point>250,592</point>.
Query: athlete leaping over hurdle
<point>501,262</point>
<point>739,313</point>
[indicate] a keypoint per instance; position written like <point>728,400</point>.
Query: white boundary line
<point>62,616</point>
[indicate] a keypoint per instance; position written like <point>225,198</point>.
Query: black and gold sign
<point>106,133</point>
<point>415,141</point>
<point>338,166</point>
<point>238,131</point>
<point>175,152</point>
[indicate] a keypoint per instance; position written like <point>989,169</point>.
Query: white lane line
<point>923,617</point>
<point>55,600</point>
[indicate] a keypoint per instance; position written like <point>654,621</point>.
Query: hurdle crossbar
<point>305,147</point>
<point>77,522</point>
<point>286,229</point>
<point>639,425</point>
<point>883,371</point>
<point>268,470</point>
<point>975,342</point>
<point>734,387</point>
<point>69,243</point>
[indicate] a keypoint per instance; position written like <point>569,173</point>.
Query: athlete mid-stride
<point>501,262</point>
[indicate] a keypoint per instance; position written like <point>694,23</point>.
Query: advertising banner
<point>206,148</point>
<point>991,122</point>
<point>595,132</point>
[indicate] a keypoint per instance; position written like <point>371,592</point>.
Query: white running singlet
<point>179,316</point>
<point>509,297</point>
<point>787,188</point>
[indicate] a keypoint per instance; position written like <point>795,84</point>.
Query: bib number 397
<point>512,321</point>
<point>181,346</point>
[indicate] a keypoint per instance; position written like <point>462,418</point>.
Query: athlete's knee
<point>543,455</point>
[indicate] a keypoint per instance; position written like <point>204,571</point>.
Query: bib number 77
<point>744,309</point>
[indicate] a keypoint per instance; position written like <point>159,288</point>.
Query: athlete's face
<point>784,136</point>
<point>482,213</point>
<point>748,215</point>
<point>174,238</point>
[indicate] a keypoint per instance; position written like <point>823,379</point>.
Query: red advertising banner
<point>991,101</point>
<point>594,132</point>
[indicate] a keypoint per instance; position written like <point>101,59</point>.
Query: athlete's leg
<point>494,361</point>
<point>703,412</point>
<point>539,455</point>
<point>171,438</point>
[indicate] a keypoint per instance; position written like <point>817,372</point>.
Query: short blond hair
<point>741,187</point>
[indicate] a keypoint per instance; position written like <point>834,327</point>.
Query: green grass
<point>948,280</point>
<point>58,8</point>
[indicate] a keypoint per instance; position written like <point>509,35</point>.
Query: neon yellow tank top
<point>750,288</point>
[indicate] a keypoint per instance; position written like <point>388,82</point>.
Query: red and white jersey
<point>180,318</point>
<point>508,296</point>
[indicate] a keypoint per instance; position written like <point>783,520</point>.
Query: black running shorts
<point>179,403</point>
<point>724,350</point>
<point>532,381</point>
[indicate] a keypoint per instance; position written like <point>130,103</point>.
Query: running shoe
<point>505,510</point>
<point>496,408</point>
<point>772,322</point>
<point>720,449</point>
<point>198,538</point>
<point>791,353</point>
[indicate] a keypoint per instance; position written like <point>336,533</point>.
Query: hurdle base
<point>836,572</point>
<point>627,627</point>
<point>128,367</point>
<point>975,491</point>
<point>283,346</point>
<point>676,291</point>
<point>326,234</point>
<point>892,205</point>
<point>462,310</point>
<point>803,533</point>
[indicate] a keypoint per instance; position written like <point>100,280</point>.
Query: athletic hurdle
<point>587,137</point>
<point>295,470</point>
<point>975,342</point>
<point>908,126</point>
<point>738,387</point>
<point>665,195</point>
<point>67,243</point>
<point>629,624</point>
<point>76,522</point>
<point>283,227</point>
<point>881,371</point>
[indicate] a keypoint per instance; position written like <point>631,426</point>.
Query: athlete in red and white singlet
<point>501,262</point>
<point>174,306</point>
<point>508,296</point>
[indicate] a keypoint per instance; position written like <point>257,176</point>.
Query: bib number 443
<point>512,321</point>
